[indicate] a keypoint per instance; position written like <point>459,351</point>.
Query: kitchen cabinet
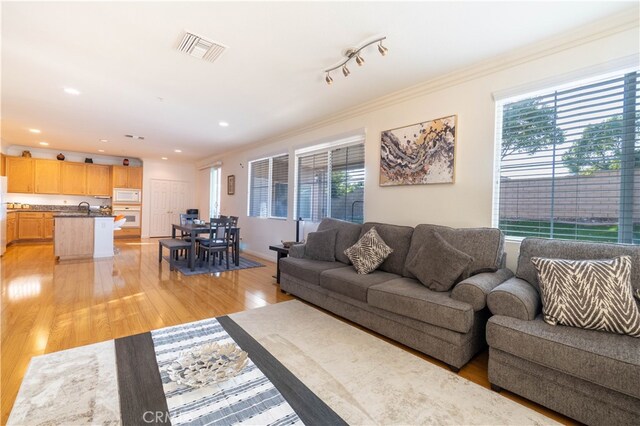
<point>30,226</point>
<point>74,178</point>
<point>46,176</point>
<point>98,180</point>
<point>12,230</point>
<point>127,177</point>
<point>19,174</point>
<point>47,226</point>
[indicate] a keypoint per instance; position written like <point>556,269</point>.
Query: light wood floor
<point>48,306</point>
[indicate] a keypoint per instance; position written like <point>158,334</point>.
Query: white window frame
<point>318,149</point>
<point>270,185</point>
<point>578,78</point>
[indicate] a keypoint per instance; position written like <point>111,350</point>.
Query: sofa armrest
<point>474,290</point>
<point>515,298</point>
<point>297,251</point>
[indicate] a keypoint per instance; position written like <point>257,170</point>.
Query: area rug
<point>305,367</point>
<point>183,267</point>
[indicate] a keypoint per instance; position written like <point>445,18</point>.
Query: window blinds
<point>569,163</point>
<point>268,187</point>
<point>280,186</point>
<point>331,184</point>
<point>259,188</point>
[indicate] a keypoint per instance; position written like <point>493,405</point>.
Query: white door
<point>169,198</point>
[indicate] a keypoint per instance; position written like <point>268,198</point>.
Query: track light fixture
<point>383,50</point>
<point>352,53</point>
<point>328,79</point>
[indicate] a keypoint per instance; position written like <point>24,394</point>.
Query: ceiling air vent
<point>140,138</point>
<point>201,48</point>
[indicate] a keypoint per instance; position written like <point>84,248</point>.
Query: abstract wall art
<point>422,153</point>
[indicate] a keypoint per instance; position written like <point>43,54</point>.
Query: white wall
<point>468,202</point>
<point>167,170</point>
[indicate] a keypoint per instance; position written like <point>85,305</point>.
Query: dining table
<point>195,229</point>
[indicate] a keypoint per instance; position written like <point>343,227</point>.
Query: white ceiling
<point>121,57</point>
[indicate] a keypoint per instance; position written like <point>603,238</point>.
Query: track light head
<point>383,50</point>
<point>359,60</point>
<point>345,71</point>
<point>328,79</point>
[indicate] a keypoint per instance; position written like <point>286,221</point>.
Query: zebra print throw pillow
<point>591,294</point>
<point>369,252</point>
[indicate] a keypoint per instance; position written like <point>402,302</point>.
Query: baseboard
<point>260,255</point>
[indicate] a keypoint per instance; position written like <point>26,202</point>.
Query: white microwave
<point>125,195</point>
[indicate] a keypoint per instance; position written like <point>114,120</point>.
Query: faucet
<point>88,207</point>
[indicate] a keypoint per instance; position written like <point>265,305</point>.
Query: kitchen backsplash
<point>57,200</point>
<point>45,207</point>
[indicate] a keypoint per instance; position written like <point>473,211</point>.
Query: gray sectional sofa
<point>449,326</point>
<point>591,376</point>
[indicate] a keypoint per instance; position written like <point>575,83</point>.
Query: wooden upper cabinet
<point>127,177</point>
<point>46,176</point>
<point>74,178</point>
<point>19,174</point>
<point>98,180</point>
<point>120,177</point>
<point>135,177</point>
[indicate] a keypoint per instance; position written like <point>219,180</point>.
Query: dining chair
<point>185,218</point>
<point>217,243</point>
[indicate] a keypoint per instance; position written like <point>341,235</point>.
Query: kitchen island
<point>78,236</point>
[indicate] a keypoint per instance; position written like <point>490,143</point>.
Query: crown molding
<point>618,23</point>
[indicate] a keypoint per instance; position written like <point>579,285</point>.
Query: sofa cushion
<point>485,245</point>
<point>439,265</point>
<point>406,296</point>
<point>321,245</point>
<point>348,282</point>
<point>348,234</point>
<point>572,250</point>
<point>307,269</point>
<point>591,294</point>
<point>607,359</point>
<point>369,252</point>
<point>398,238</point>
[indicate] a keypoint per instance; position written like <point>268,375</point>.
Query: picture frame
<point>419,154</point>
<point>231,184</point>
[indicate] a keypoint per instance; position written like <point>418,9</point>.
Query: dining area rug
<point>182,265</point>
<point>304,366</point>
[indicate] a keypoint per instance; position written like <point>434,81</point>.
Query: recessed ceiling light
<point>44,143</point>
<point>177,150</point>
<point>71,91</point>
<point>104,140</point>
<point>164,158</point>
<point>101,150</point>
<point>34,130</point>
<point>223,124</point>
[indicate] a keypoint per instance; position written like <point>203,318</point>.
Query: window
<point>330,183</point>
<point>569,163</point>
<point>269,187</point>
<point>214,199</point>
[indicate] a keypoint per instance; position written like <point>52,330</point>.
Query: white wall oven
<point>131,213</point>
<point>127,196</point>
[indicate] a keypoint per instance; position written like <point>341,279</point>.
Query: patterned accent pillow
<point>591,294</point>
<point>369,252</point>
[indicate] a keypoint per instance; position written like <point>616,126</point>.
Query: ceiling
<point>121,56</point>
